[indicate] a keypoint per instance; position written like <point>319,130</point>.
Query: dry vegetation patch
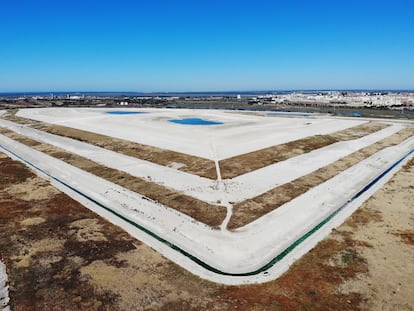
<point>12,172</point>
<point>41,190</point>
<point>407,236</point>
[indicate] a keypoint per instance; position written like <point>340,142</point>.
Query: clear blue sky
<point>205,45</point>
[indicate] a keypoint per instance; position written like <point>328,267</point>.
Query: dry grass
<point>407,236</point>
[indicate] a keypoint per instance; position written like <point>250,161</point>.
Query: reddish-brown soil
<point>61,256</point>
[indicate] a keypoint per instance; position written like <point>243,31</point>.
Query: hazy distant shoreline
<point>196,94</point>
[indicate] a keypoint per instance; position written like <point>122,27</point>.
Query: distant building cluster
<point>349,99</point>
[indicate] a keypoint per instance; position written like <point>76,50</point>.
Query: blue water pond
<point>195,121</point>
<point>125,112</point>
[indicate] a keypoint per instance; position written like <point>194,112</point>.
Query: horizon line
<point>215,92</point>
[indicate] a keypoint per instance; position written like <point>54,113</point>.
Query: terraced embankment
<point>249,162</point>
<point>187,163</point>
<point>252,209</point>
<point>212,215</point>
<point>229,168</point>
<point>243,212</point>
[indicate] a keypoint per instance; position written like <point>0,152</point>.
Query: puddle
<point>195,121</point>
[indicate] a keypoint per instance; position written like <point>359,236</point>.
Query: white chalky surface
<point>240,133</point>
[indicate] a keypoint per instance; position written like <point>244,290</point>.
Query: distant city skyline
<point>193,46</point>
